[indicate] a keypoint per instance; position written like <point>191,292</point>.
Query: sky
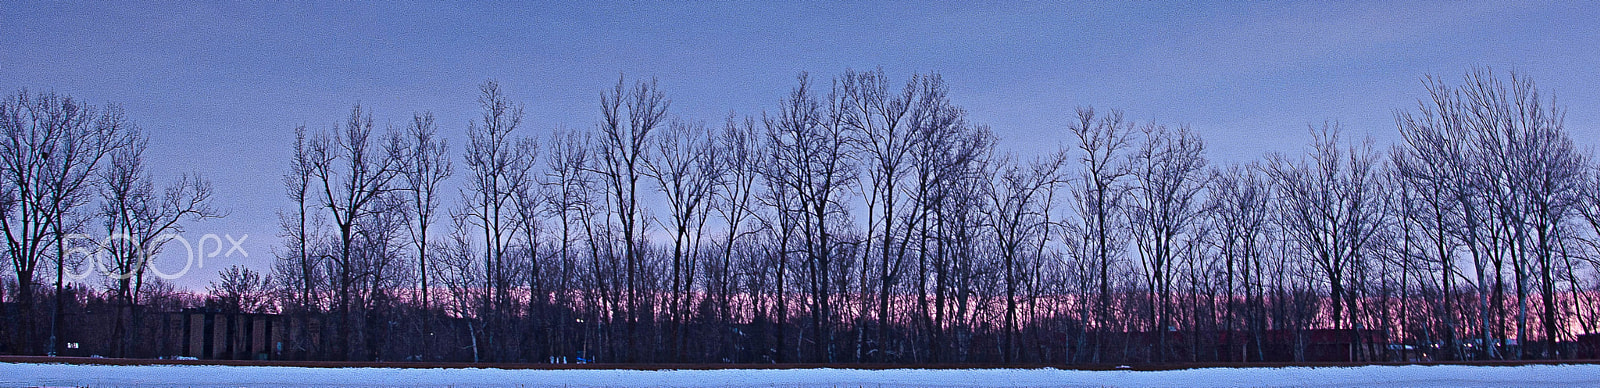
<point>220,86</point>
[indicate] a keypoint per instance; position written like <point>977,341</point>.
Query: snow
<point>14,374</point>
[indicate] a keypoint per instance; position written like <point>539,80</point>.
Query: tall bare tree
<point>138,220</point>
<point>1100,203</point>
<point>1436,162</point>
<point>629,117</point>
<point>567,184</point>
<point>52,148</point>
<point>945,151</point>
<point>1239,210</point>
<point>1550,169</point>
<point>687,170</point>
<point>1019,218</point>
<point>1168,173</point>
<point>740,155</point>
<point>499,165</point>
<point>426,165</point>
<point>1330,206</point>
<point>298,270</point>
<point>354,171</point>
<point>810,144</point>
<point>879,115</point>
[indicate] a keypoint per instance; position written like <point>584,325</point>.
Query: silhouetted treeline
<point>858,219</point>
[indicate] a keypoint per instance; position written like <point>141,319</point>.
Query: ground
<point>101,375</point>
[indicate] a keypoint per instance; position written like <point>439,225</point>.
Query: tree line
<point>861,219</point>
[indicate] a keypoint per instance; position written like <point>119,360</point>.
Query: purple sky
<point>220,86</point>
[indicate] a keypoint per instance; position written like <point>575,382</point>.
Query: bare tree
<point>623,149</point>
<point>298,270</point>
<point>686,168</point>
<point>382,269</point>
<point>881,118</point>
<point>1494,173</point>
<point>1239,215</point>
<point>240,289</point>
<point>1551,168</point>
<point>53,145</point>
<point>459,271</point>
<point>1331,207</point>
<point>567,185</point>
<point>1168,173</point>
<point>1100,201</point>
<point>355,173</point>
<point>425,167</point>
<point>499,165</point>
<point>739,153</point>
<point>1435,163</point>
<point>945,151</point>
<point>810,144</point>
<point>528,200</point>
<point>1495,138</point>
<point>1019,217</point>
<point>137,221</point>
<point>779,229</point>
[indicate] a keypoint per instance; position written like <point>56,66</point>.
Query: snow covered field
<point>13,374</point>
